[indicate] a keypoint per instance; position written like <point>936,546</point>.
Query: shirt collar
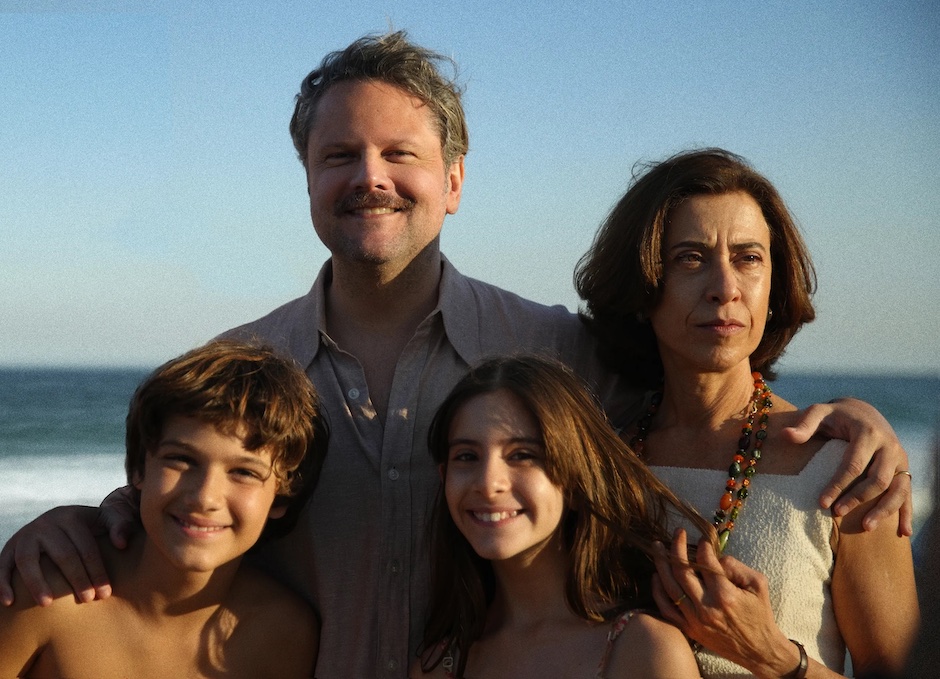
<point>457,305</point>
<point>460,312</point>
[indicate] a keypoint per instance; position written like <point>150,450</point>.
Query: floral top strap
<point>612,635</point>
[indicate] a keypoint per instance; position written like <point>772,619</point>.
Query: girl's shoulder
<point>642,644</point>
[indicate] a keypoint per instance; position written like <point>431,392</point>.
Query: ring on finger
<point>904,471</point>
<point>680,600</point>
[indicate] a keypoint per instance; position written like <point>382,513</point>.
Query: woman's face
<point>716,283</point>
<point>496,487</point>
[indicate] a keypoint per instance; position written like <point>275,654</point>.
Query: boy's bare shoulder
<point>264,596</point>
<point>26,628</point>
<point>280,623</point>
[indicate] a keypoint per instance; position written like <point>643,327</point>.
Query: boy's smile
<point>204,497</point>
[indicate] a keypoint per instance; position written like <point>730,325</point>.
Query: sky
<point>150,196</point>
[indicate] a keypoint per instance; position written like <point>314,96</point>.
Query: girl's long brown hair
<point>616,508</point>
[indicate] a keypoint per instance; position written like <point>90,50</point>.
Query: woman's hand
<point>874,458</point>
<point>724,606</point>
<point>67,536</point>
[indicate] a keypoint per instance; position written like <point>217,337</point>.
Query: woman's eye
<point>689,258</point>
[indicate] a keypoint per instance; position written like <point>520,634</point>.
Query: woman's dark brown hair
<point>621,276</point>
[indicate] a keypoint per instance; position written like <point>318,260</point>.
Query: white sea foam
<point>29,485</point>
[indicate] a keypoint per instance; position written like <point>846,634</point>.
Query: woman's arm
<point>727,610</point>
<point>873,594</point>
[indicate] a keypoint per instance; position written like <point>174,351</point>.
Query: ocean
<point>62,431</point>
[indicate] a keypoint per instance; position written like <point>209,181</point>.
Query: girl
<point>543,535</point>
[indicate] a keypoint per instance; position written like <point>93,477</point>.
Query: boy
<point>223,444</point>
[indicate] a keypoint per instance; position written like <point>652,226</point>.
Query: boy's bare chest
<point>109,643</point>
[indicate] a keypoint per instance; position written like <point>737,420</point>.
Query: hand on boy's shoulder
<point>277,622</point>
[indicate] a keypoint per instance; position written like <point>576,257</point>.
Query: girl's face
<point>716,283</point>
<point>496,487</point>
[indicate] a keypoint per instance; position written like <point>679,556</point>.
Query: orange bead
<point>726,500</point>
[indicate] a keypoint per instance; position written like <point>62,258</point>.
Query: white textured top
<point>782,532</point>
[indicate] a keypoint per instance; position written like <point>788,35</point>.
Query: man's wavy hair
<point>615,508</point>
<point>621,277</point>
<point>391,59</point>
<point>246,390</point>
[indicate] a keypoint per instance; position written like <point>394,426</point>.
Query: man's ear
<point>455,185</point>
<point>278,510</point>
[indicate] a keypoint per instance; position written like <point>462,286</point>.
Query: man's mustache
<point>363,201</point>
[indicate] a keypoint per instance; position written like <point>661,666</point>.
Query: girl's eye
<point>526,455</point>
<point>462,456</point>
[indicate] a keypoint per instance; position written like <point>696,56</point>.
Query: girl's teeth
<point>490,517</point>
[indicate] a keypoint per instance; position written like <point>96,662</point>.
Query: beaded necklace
<point>743,466</point>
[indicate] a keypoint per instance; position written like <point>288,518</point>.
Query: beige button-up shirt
<point>360,550</point>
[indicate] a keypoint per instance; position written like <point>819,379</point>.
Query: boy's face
<point>204,499</point>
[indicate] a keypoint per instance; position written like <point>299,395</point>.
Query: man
<point>387,329</point>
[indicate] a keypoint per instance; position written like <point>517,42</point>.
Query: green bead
<point>734,471</point>
<point>734,514</point>
<point>723,539</point>
<point>749,472</point>
<point>762,434</point>
<point>743,493</point>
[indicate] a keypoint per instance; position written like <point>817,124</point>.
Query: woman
<point>543,536</point>
<point>694,286</point>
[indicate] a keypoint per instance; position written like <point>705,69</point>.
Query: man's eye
<point>336,157</point>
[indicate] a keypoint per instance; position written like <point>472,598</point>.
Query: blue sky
<point>150,196</point>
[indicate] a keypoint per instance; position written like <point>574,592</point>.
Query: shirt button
<point>353,394</point>
<point>394,566</point>
<point>392,664</point>
<point>393,474</point>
